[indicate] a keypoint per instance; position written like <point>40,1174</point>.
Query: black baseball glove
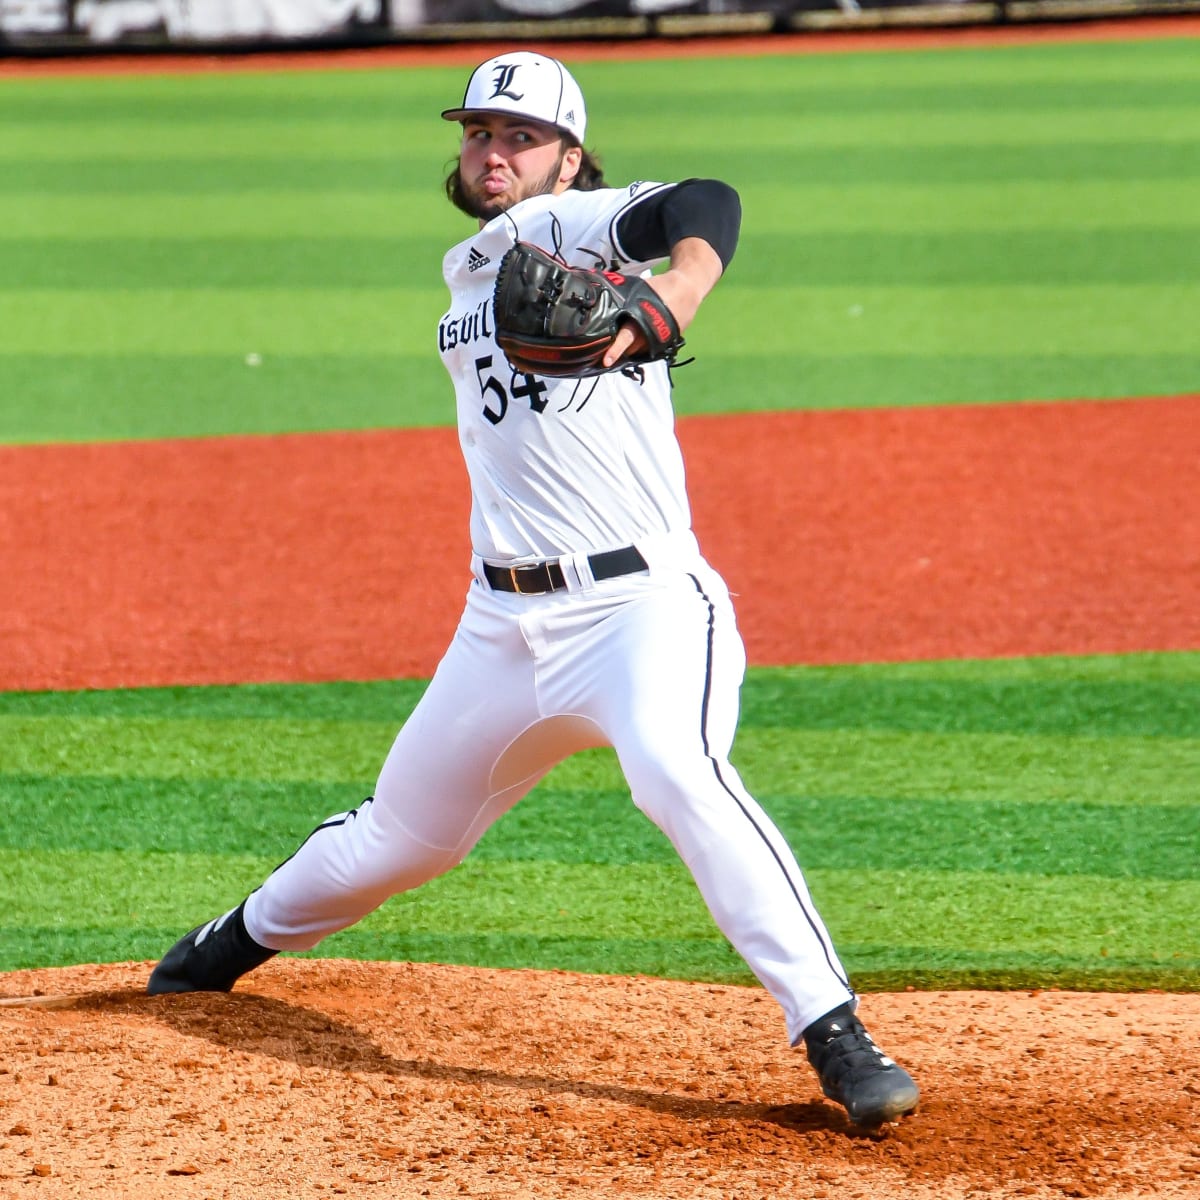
<point>556,320</point>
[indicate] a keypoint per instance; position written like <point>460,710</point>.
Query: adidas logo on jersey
<point>475,260</point>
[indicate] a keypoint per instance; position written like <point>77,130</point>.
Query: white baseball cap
<point>524,84</point>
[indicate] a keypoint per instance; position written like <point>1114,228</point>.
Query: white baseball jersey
<point>557,466</point>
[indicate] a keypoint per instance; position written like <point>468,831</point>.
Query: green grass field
<point>1019,822</point>
<point>930,227</point>
<point>922,227</point>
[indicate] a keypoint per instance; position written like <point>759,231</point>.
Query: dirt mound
<point>329,1077</point>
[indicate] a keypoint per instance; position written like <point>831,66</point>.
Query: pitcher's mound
<point>319,1078</point>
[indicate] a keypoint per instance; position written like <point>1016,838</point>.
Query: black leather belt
<point>539,578</point>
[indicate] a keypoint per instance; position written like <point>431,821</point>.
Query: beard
<point>475,202</point>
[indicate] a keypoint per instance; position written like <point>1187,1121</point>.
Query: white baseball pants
<point>650,664</point>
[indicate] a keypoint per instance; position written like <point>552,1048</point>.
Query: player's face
<point>508,159</point>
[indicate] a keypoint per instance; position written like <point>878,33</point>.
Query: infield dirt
<point>321,1078</point>
<point>859,536</point>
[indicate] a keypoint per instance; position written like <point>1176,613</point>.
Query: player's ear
<point>571,160</point>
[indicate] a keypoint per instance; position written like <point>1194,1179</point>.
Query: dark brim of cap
<point>461,114</point>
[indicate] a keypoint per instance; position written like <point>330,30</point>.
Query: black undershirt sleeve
<point>703,208</point>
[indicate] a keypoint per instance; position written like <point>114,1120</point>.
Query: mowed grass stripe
<point>966,919</point>
<point>832,381</point>
<point>999,208</point>
<point>944,260</point>
<point>1127,695</point>
<point>1148,694</point>
<point>197,748</point>
<point>1016,206</point>
<point>1014,319</point>
<point>1061,165</point>
<point>1007,835</point>
<point>272,214</point>
<point>316,320</point>
<point>1133,919</point>
<point>234,262</point>
<point>1113,770</point>
<point>265,139</point>
<point>802,90</point>
<point>992,258</point>
<point>875,968</point>
<point>54,398</point>
<point>1141,319</point>
<point>46,398</point>
<point>380,700</point>
<point>105,813</point>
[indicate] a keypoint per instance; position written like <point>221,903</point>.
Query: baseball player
<point>592,618</point>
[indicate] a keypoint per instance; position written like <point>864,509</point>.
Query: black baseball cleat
<point>211,958</point>
<point>855,1072</point>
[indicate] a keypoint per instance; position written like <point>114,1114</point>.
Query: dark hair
<point>589,178</point>
<point>591,174</point>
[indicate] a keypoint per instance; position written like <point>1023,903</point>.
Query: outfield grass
<point>921,227</point>
<point>996,823</point>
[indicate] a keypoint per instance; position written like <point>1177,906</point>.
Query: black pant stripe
<point>330,823</point>
<point>716,766</point>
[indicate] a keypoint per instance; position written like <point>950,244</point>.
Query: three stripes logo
<point>475,260</point>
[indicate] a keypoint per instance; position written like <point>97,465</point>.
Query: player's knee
<point>667,789</point>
